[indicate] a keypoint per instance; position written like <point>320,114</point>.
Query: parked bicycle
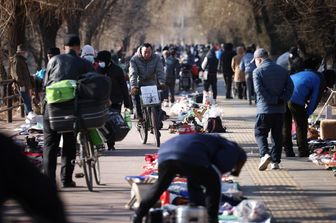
<point>150,107</point>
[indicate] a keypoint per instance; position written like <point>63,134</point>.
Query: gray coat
<point>144,73</point>
<point>273,87</point>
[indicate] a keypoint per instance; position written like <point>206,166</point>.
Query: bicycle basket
<point>149,95</point>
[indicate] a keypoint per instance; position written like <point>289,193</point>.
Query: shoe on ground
<point>69,184</point>
<point>264,161</point>
<point>275,166</point>
<point>290,153</point>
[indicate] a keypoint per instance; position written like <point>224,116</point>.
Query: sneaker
<point>275,166</point>
<point>264,161</point>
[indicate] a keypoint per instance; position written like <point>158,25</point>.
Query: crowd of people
<point>280,93</point>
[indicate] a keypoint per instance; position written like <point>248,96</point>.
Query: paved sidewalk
<point>299,192</point>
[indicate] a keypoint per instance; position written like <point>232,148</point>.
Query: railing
<point>8,99</point>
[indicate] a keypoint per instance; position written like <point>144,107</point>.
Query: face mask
<point>89,58</point>
<point>102,64</point>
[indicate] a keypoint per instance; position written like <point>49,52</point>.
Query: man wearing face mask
<point>62,67</point>
<point>145,69</point>
<point>119,90</point>
<point>273,88</point>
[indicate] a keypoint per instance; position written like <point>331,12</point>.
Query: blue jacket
<point>306,88</point>
<point>246,65</point>
<point>202,150</point>
<point>273,87</point>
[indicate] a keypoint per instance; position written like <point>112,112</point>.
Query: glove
<point>162,87</point>
<point>134,91</point>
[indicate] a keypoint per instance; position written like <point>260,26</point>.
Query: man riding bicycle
<point>145,69</point>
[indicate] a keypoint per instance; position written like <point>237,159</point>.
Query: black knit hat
<point>54,51</point>
<point>104,56</point>
<point>71,40</point>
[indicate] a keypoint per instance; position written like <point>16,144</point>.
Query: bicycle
<point>88,159</point>
<point>150,106</point>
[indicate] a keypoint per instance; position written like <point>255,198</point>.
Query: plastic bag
<point>252,211</point>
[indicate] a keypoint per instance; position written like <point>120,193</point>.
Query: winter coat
<point>239,75</point>
<point>144,73</point>
<point>20,72</point>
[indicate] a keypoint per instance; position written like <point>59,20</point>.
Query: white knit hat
<point>87,50</point>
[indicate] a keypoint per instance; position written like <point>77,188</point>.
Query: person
<point>119,91</point>
<point>145,69</point>
<point>247,66</point>
<point>62,67</point>
<point>23,182</point>
<point>20,73</point>
<point>39,79</point>
<point>210,65</point>
<point>201,158</point>
<point>171,70</point>
<point>239,76</point>
<point>227,56</point>
<point>295,62</point>
<point>273,88</point>
<point>308,86</point>
<point>88,53</point>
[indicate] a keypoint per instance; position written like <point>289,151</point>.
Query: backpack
<point>214,125</point>
<point>94,86</point>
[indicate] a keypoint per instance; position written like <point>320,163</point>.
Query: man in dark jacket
<point>209,65</point>
<point>62,67</point>
<point>171,70</point>
<point>119,90</point>
<point>22,181</point>
<point>201,159</point>
<point>227,56</point>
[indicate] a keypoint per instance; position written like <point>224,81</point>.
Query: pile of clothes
<point>323,152</point>
<point>234,206</point>
<point>196,117</point>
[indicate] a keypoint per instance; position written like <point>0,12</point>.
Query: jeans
<point>228,84</point>
<point>249,87</point>
<point>266,123</point>
<point>26,101</point>
<point>171,89</point>
<point>212,80</point>
<point>299,114</point>
<point>197,176</point>
<point>51,143</point>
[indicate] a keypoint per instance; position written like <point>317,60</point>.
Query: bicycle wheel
<point>85,159</point>
<point>143,127</point>
<point>95,165</point>
<point>155,125</point>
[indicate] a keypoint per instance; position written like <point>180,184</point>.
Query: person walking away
<point>247,66</point>
<point>20,73</point>
<point>209,65</point>
<point>308,88</point>
<point>62,67</point>
<point>239,75</point>
<point>211,157</point>
<point>145,69</point>
<point>119,91</point>
<point>273,88</point>
<point>227,56</point>
<point>171,70</point>
<point>23,182</point>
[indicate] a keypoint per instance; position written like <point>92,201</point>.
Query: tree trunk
<point>49,29</point>
<point>73,22</point>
